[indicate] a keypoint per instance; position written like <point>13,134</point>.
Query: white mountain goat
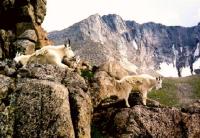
<point>139,83</point>
<point>23,59</point>
<point>47,55</point>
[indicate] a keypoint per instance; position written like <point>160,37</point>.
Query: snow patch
<point>167,70</point>
<point>196,64</point>
<point>181,49</point>
<point>175,52</point>
<point>135,44</point>
<point>196,52</point>
<point>186,71</point>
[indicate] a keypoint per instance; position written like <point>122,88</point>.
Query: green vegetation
<point>195,83</point>
<point>170,94</point>
<point>87,74</point>
<point>166,95</point>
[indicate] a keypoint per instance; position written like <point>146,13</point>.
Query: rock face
<point>42,110</point>
<point>48,101</point>
<point>146,45</point>
<point>80,103</point>
<point>20,27</point>
<point>43,101</point>
<point>141,121</point>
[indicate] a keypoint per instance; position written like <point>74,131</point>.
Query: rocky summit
<point>147,45</point>
<point>49,101</point>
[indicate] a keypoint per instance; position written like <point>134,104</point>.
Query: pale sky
<point>64,13</point>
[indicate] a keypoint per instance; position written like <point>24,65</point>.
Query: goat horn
<point>69,42</point>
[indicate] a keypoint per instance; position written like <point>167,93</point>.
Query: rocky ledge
<point>48,101</point>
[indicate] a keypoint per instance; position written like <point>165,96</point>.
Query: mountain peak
<point>94,16</point>
<point>146,45</point>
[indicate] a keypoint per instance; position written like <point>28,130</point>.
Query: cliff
<point>20,26</point>
<point>147,45</point>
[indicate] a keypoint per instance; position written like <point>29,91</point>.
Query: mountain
<point>148,46</point>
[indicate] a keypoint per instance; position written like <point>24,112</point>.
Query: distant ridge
<point>147,45</point>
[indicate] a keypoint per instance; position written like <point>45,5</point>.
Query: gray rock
<point>10,71</point>
<point>6,86</point>
<point>24,46</point>
<point>80,102</point>
<point>46,72</point>
<point>192,108</point>
<point>81,108</point>
<point>140,121</point>
<point>28,34</point>
<point>42,110</point>
<point>6,38</point>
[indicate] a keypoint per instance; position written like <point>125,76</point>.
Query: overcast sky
<point>64,13</point>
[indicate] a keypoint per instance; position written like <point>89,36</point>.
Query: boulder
<point>8,68</point>
<point>28,34</point>
<point>24,46</point>
<point>80,103</point>
<point>104,84</point>
<point>45,72</point>
<point>113,68</point>
<point>6,86</point>
<point>192,108</point>
<point>42,109</point>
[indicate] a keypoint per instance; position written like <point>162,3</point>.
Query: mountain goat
<point>139,83</point>
<point>47,55</point>
<point>23,59</point>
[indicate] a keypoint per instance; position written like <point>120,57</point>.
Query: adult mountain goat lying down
<point>139,83</point>
<point>47,55</point>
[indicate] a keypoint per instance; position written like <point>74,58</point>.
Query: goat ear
<point>66,45</point>
<point>160,77</point>
<point>18,54</point>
